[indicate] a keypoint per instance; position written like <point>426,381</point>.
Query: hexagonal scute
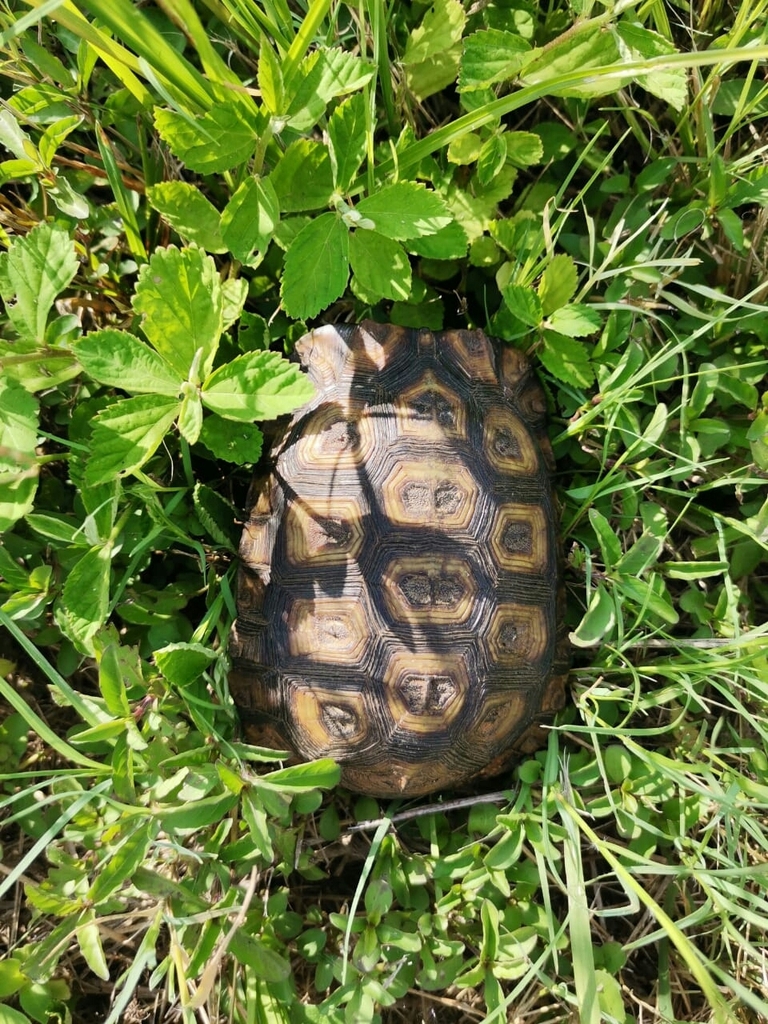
<point>429,589</point>
<point>329,630</point>
<point>330,438</point>
<point>425,691</point>
<point>330,723</point>
<point>328,530</point>
<point>518,634</point>
<point>472,352</point>
<point>507,442</point>
<point>501,715</point>
<point>430,410</point>
<point>429,493</point>
<point>520,538</point>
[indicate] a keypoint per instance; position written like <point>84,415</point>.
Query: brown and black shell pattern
<point>399,607</point>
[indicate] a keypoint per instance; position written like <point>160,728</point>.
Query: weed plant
<point>189,185</point>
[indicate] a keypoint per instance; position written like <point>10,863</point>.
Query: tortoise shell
<point>398,601</point>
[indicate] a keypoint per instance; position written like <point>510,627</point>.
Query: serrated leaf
<point>303,179</point>
<point>218,140</point>
<point>19,469</point>
<point>405,210</point>
<point>183,663</point>
<point>250,217</point>
<point>558,283</point>
<point>347,136</point>
<point>639,43</point>
<point>256,386</point>
<point>576,321</point>
<point>380,265</point>
<point>179,293</point>
<point>120,360</point>
<point>232,441</point>
<point>582,48</point>
<point>524,148</point>
<point>126,434</point>
<point>217,515</point>
<point>316,267</point>
<point>492,158</point>
<point>490,56</point>
<point>84,601</point>
<point>188,211</point>
<point>36,268</point>
<point>465,149</point>
<point>440,28</point>
<point>567,359</point>
<point>323,75</point>
<point>88,937</point>
<point>523,303</point>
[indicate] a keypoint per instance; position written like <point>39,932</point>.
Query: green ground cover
<point>188,185</point>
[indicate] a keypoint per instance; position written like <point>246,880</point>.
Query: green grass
<point>586,185</point>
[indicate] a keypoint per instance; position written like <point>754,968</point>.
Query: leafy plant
<point>188,184</point>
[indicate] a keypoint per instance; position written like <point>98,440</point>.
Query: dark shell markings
<point>399,607</point>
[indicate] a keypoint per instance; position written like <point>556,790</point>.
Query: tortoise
<point>399,607</point>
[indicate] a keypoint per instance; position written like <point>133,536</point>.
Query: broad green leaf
<point>121,863</point>
<point>380,265</point>
<point>270,78</point>
<point>303,179</point>
<point>256,386</point>
<point>610,545</point>
<point>19,469</point>
<point>465,149</point>
<point>347,136</point>
<point>433,50</point>
<point>405,210</point>
<point>524,148</point>
<point>523,303</point>
<point>440,28</point>
<point>584,47</point>
<point>120,360</point>
<point>234,292</point>
<point>218,516</point>
<point>189,212</point>
<point>576,321</point>
<point>323,75</point>
<point>263,961</point>
<point>190,419</point>
<point>490,56</point>
<point>250,218</point>
<point>84,602</point>
<point>558,283</point>
<point>231,441</point>
<point>492,158</point>
<point>12,136</point>
<point>644,595</point>
<point>88,936</point>
<point>179,293</point>
<point>316,267</point>
<point>449,243</point>
<point>669,84</point>
<point>298,778</point>
<point>182,664</point>
<point>112,682</point>
<point>35,269</point>
<point>216,141</point>
<point>598,621</point>
<point>126,434</point>
<point>190,817</point>
<point>10,1016</point>
<point>567,359</point>
<point>11,977</point>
